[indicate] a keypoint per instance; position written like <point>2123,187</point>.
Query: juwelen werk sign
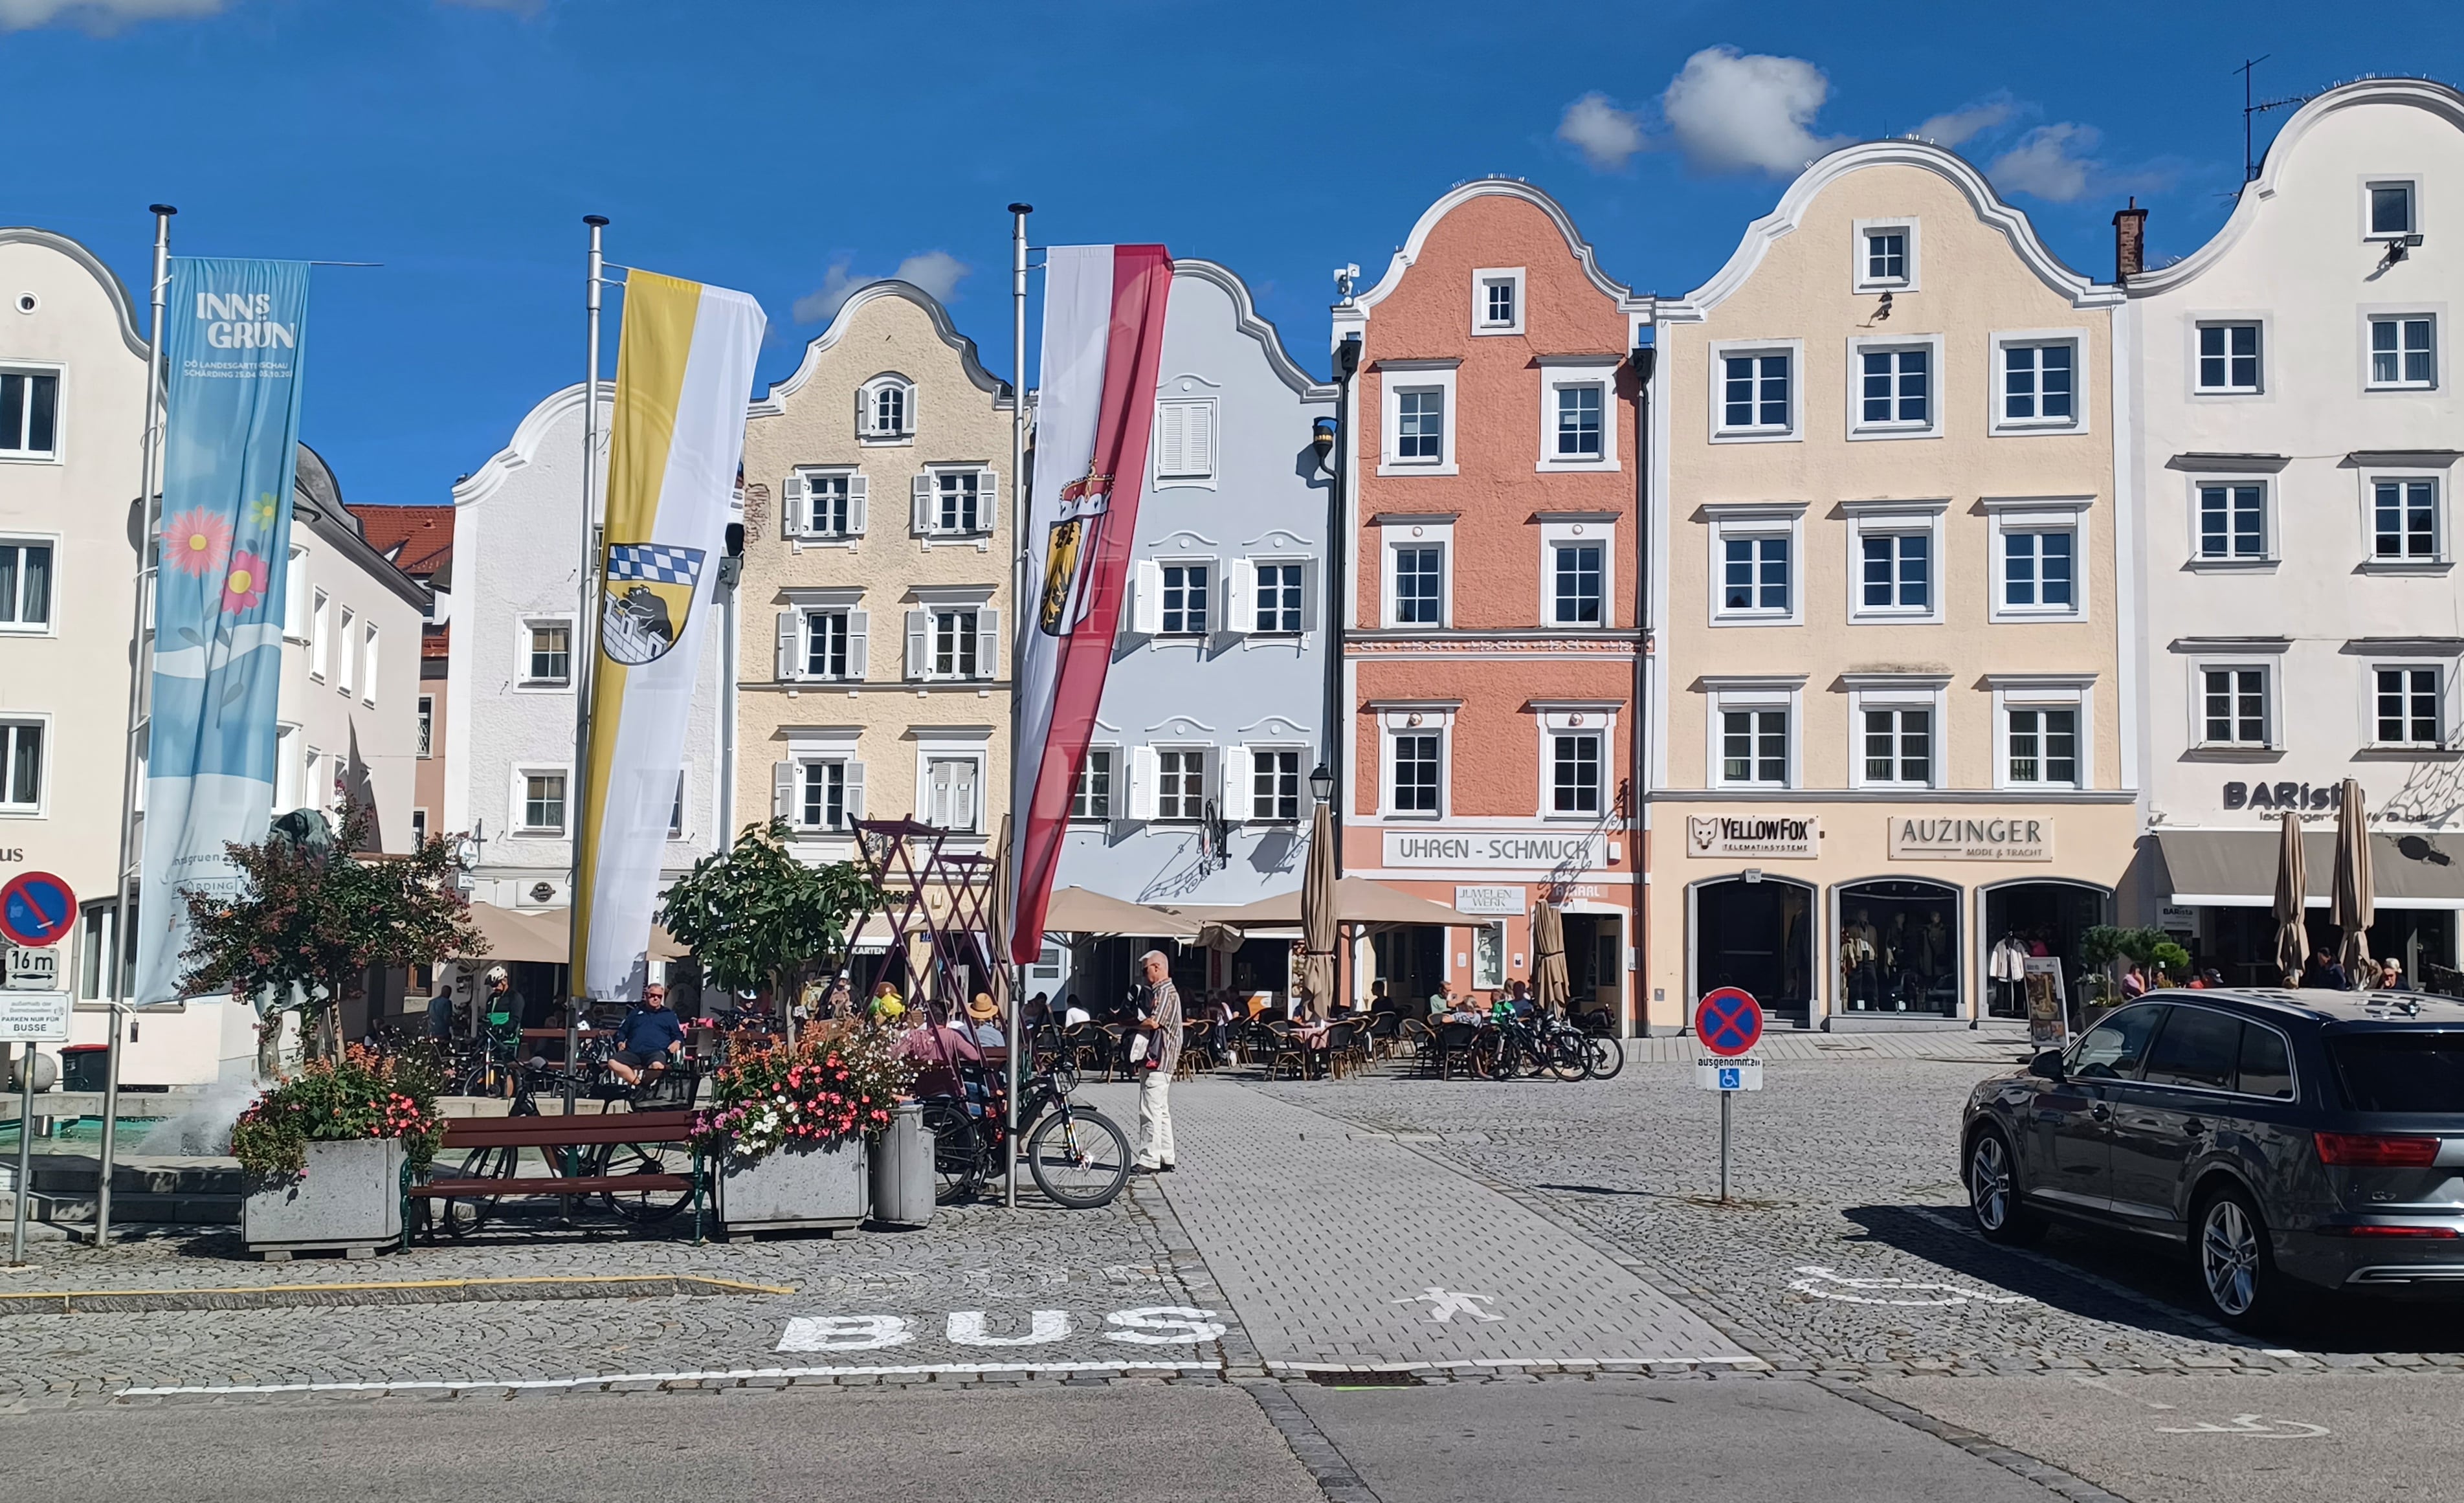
<point>1971,838</point>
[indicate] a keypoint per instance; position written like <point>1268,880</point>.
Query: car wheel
<point>2236,1266</point>
<point>1993,1193</point>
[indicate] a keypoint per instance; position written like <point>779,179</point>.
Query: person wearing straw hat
<point>984,1022</point>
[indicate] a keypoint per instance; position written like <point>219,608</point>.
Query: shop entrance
<point>2025,919</point>
<point>1757,935</point>
<point>1899,948</point>
<point>1411,961</point>
<point>1595,964</point>
<point>2241,943</point>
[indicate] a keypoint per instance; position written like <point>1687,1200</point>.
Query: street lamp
<point>1321,783</point>
<point>1322,439</point>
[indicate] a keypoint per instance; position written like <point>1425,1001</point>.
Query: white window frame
<point>1117,778</point>
<point>2445,693</point>
<point>41,806</point>
<point>2442,558</point>
<point>57,453</point>
<point>2399,314</point>
<point>1394,377</point>
<point>518,798</point>
<point>1860,280</point>
<point>930,601</point>
<point>1896,519</point>
<point>296,597</point>
<point>321,635</point>
<point>1185,402</point>
<point>2221,320</point>
<point>924,503</point>
<point>522,682</point>
<point>1794,431</point>
<point>1240,772</point>
<point>1397,717</point>
<point>1936,389</point>
<point>2071,692</point>
<point>1481,279</point>
<point>347,660</point>
<point>800,767</point>
<point>937,746</point>
<point>423,726</point>
<point>1564,372</point>
<point>1243,594</point>
<point>1759,691</point>
<point>49,626</point>
<point>1888,692</point>
<point>2037,513</point>
<point>796,515</point>
<point>2411,185</point>
<point>369,637</point>
<point>1416,532</point>
<point>2267,557</point>
<point>1210,767</point>
<point>1998,347</point>
<point>1558,530</point>
<point>867,431</point>
<point>1596,719</point>
<point>286,767</point>
<point>2271,695</point>
<point>1755,519</point>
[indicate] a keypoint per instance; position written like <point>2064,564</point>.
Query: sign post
<point>1729,1023</point>
<point>29,1018</point>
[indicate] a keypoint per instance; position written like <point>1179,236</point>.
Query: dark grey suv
<point>2280,1136</point>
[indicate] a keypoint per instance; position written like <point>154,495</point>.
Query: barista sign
<point>1984,837</point>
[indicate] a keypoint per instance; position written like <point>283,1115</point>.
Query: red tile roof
<point>424,535</point>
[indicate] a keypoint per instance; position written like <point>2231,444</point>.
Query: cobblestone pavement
<point>1847,1250</point>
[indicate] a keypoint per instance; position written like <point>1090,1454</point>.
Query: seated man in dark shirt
<point>648,1036</point>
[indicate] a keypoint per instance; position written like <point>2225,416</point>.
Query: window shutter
<point>1172,438</point>
<point>855,506</point>
<point>1309,596</point>
<point>1197,439</point>
<point>1239,767</point>
<point>1142,783</point>
<point>919,643</point>
<point>919,492</point>
<point>988,659</point>
<point>989,500</point>
<point>783,791</point>
<point>791,507</point>
<point>1145,604</point>
<point>791,627</point>
<point>854,791</point>
<point>864,412</point>
<point>859,644</point>
<point>1240,597</point>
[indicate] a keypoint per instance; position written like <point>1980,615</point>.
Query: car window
<point>2266,1062</point>
<point>2113,1049</point>
<point>2195,1048</point>
<point>2400,1071</point>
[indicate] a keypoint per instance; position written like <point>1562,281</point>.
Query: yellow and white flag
<point>684,372</point>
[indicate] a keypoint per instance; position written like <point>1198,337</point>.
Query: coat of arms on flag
<point>650,593</point>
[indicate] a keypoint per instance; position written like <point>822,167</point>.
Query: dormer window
<point>2390,210</point>
<point>1496,300</point>
<point>885,410</point>
<point>1884,255</point>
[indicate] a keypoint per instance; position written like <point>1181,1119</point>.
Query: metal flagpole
<point>1020,551</point>
<point>149,469</point>
<point>586,655</point>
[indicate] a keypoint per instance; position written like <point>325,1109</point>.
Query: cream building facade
<point>875,676</point>
<point>1890,724</point>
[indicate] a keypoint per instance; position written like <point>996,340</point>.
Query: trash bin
<point>82,1065</point>
<point>902,1169</point>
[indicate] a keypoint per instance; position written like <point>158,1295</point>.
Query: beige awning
<point>547,934</point>
<point>1358,900</point>
<point>1074,910</point>
<point>2236,868</point>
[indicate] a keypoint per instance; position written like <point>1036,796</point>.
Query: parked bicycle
<point>1080,1158</point>
<point>462,1215</point>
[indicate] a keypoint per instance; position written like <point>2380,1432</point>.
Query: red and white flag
<point>1103,344</point>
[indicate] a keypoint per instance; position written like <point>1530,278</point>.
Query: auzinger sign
<point>1991,837</point>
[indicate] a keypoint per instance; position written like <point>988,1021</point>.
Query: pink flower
<point>196,542</point>
<point>244,589</point>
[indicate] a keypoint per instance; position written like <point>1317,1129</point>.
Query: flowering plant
<point>832,1083</point>
<point>363,1094</point>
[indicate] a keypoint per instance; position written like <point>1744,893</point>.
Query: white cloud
<point>2049,162</point>
<point>525,8</point>
<point>1733,111</point>
<point>1605,135</point>
<point>936,271</point>
<point>1954,127</point>
<point>97,15</point>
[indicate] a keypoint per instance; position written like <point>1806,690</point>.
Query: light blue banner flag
<point>237,336</point>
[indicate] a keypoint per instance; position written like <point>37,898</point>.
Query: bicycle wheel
<point>647,1205</point>
<point>957,1152</point>
<point>460,1216</point>
<point>1080,1158</point>
<point>1606,1056</point>
<point>1569,1056</point>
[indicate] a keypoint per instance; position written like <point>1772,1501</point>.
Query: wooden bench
<point>465,1134</point>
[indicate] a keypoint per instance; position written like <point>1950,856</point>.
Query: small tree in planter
<point>310,918</point>
<point>755,917</point>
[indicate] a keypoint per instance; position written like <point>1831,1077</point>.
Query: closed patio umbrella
<point>1549,987</point>
<point>2353,902</point>
<point>2292,891</point>
<point>1319,912</point>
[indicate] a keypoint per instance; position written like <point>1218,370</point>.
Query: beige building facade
<point>1893,746</point>
<point>874,664</point>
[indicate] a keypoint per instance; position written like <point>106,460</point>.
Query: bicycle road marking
<point>1822,1282</point>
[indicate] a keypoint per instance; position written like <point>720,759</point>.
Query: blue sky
<point>791,149</point>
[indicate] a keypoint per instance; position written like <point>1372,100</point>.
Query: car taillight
<point>2400,1231</point>
<point>2369,1150</point>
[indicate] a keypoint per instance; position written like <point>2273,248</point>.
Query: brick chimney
<point>2129,241</point>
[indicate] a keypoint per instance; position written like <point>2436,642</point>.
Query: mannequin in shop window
<point>2007,968</point>
<point>1857,961</point>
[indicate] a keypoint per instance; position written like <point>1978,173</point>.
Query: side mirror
<point>2047,1066</point>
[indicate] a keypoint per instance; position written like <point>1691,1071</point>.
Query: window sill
<point>20,811</point>
<point>2229,753</point>
<point>1414,467</point>
<point>544,688</point>
<point>28,628</point>
<point>2421,753</point>
<point>2426,566</point>
<point>2034,615</point>
<point>886,440</point>
<point>19,456</point>
<point>1893,618</point>
<point>1755,435</point>
<point>1595,466</point>
<point>1755,787</point>
<point>2400,387</point>
<point>1915,430</point>
<point>2013,428</point>
<point>2198,565</point>
<point>1741,619</point>
<point>2229,391</point>
<point>2040,790</point>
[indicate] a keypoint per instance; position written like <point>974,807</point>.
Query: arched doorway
<point>1757,934</point>
<point>1899,948</point>
<point>2036,918</point>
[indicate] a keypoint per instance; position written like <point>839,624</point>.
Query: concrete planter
<point>350,1199</point>
<point>796,1189</point>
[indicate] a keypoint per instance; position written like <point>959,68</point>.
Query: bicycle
<point>1079,1158</point>
<point>460,1216</point>
<point>1534,1047</point>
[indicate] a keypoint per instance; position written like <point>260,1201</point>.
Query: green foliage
<point>363,1094</point>
<point>2172,958</point>
<point>2105,944</point>
<point>753,915</point>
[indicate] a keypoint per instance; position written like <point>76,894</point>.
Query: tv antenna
<point>2252,107</point>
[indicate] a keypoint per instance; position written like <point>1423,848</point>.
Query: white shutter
<point>1197,436</point>
<point>919,643</point>
<point>854,791</point>
<point>1241,596</point>
<point>855,506</point>
<point>783,790</point>
<point>791,625</point>
<point>988,500</point>
<point>1310,586</point>
<point>1142,783</point>
<point>859,644</point>
<point>792,499</point>
<point>919,505</point>
<point>1239,767</point>
<point>863,412</point>
<point>988,658</point>
<point>1146,604</point>
<point>1172,438</point>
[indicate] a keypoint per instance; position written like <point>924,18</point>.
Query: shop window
<point>1899,948</point>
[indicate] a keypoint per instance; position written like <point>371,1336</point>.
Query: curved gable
<point>1249,322</point>
<point>104,276</point>
<point>843,319</point>
<point>1625,298</point>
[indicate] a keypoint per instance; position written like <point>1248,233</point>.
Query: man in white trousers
<point>1160,1022</point>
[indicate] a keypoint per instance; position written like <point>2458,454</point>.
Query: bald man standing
<point>1160,1021</point>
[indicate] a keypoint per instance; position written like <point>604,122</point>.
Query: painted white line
<point>732,1374</point>
<point>1821,1283</point>
<point>2253,1425</point>
<point>2084,1381</point>
<point>1609,1363</point>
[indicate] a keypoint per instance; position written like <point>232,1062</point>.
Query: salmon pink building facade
<point>1493,657</point>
